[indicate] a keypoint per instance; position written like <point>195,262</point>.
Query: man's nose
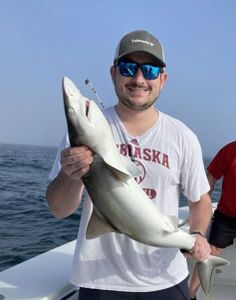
<point>139,76</point>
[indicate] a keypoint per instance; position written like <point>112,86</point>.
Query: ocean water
<point>27,228</point>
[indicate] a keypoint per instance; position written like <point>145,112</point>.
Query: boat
<point>45,277</point>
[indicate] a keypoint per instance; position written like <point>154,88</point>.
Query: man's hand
<point>201,249</point>
<point>76,161</point>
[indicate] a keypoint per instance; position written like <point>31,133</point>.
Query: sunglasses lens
<point>150,72</point>
<point>129,69</point>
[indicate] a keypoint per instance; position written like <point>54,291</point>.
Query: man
<point>114,266</point>
<point>223,227</point>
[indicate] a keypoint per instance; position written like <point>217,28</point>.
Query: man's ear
<point>112,72</point>
<point>163,78</point>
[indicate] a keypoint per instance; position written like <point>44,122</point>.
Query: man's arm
<point>212,180</point>
<point>200,213</point>
<point>64,193</point>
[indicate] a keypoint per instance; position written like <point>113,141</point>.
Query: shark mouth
<point>87,108</point>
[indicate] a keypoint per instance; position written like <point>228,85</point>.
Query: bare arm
<point>212,180</point>
<point>200,213</point>
<point>65,191</point>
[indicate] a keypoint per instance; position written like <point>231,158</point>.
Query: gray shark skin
<point>112,188</point>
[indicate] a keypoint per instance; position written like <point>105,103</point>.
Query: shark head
<point>77,113</point>
<point>88,126</point>
<point>86,122</point>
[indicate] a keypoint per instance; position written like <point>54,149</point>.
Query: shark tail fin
<point>205,271</point>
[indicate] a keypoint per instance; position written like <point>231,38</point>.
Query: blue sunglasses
<point>130,68</point>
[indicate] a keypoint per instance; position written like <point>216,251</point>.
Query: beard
<point>125,100</point>
<point>128,103</point>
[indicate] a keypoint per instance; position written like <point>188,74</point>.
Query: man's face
<point>136,92</point>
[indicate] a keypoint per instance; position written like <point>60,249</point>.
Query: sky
<point>44,40</point>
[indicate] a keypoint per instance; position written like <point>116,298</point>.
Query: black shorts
<point>177,292</point>
<point>222,231</point>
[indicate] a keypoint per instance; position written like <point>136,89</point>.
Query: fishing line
<point>88,82</point>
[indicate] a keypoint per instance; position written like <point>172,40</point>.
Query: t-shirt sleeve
<point>219,163</point>
<point>194,181</point>
<point>56,167</point>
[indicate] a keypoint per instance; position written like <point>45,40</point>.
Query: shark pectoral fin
<point>125,170</point>
<point>97,226</point>
<point>130,166</point>
<point>118,174</point>
<point>205,271</point>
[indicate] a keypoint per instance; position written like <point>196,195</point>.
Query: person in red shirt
<point>223,227</point>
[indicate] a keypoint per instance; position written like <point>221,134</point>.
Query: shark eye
<point>70,111</point>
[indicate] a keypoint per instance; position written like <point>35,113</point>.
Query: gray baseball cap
<point>140,41</point>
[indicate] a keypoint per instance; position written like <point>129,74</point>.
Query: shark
<point>113,189</point>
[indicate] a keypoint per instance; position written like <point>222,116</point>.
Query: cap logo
<point>142,41</point>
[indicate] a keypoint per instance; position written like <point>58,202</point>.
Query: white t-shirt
<point>170,159</point>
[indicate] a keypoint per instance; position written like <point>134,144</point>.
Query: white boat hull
<point>42,277</point>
